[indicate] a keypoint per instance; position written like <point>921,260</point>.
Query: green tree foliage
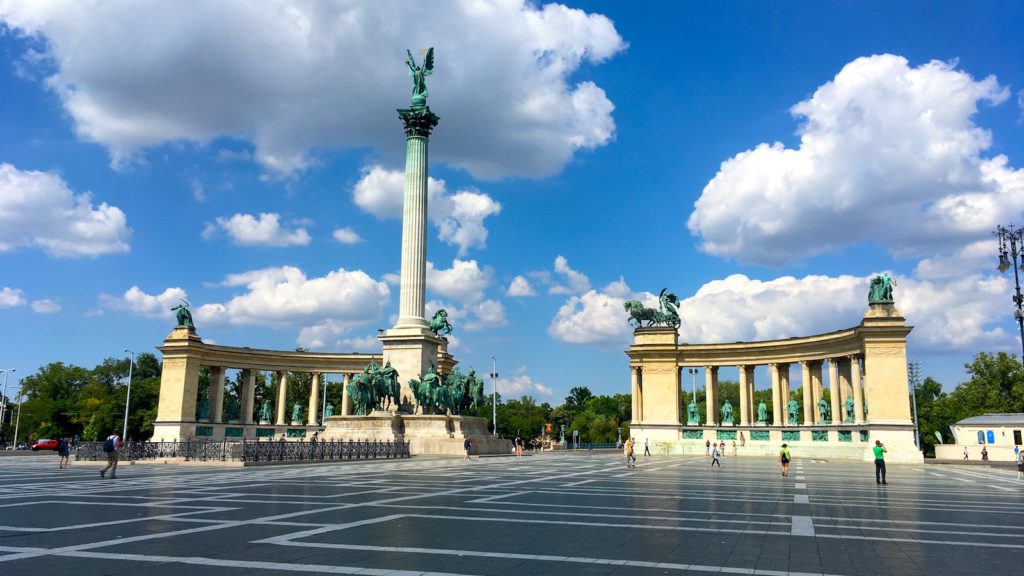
<point>67,400</point>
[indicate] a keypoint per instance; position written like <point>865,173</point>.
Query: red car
<point>42,444</point>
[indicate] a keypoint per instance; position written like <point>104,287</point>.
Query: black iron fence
<point>249,451</point>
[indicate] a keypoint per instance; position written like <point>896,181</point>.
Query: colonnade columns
<point>808,388</point>
<point>282,396</point>
<point>750,395</point>
<point>776,394</point>
<point>858,394</point>
<point>744,391</point>
<point>784,388</point>
<point>346,402</point>
<point>216,394</point>
<point>248,395</point>
<point>314,400</point>
<point>835,391</point>
<point>816,367</point>
<point>637,409</point>
<point>711,395</point>
<point>844,382</point>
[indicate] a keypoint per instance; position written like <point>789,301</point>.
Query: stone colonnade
<point>845,380</point>
<point>184,354</point>
<point>864,368</point>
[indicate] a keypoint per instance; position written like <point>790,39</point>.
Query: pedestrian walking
<point>707,447</point>
<point>965,453</point>
<point>984,453</point>
<point>743,440</point>
<point>733,447</point>
<point>630,457</point>
<point>721,448</point>
<point>647,449</point>
<point>519,446</point>
<point>879,451</point>
<point>714,456</point>
<point>111,446</point>
<point>467,446</point>
<point>1020,464</point>
<point>784,458</point>
<point>64,451</point>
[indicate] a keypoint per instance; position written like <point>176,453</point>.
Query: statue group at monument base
<point>434,434</point>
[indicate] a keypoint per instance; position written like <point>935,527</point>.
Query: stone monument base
<point>427,434</point>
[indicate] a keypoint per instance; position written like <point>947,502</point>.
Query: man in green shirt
<point>880,451</point>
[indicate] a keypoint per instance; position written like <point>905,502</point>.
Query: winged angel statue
<point>419,75</point>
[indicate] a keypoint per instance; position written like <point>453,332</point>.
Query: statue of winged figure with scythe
<point>419,75</point>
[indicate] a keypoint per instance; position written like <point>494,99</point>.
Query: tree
<point>996,385</point>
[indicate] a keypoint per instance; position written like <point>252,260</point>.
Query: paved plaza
<point>547,514</point>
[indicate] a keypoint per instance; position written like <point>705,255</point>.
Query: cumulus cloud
<point>333,335</point>
<point>521,385</point>
<point>888,153</point>
<point>520,287</point>
<point>11,297</point>
<point>459,216</point>
<point>45,306</point>
<point>37,209</point>
<point>597,317</point>
<point>960,314</point>
<point>138,302</point>
<point>488,314</point>
<point>249,230</point>
<point>291,77</point>
<point>284,296</point>
<point>346,236</point>
<point>465,281</point>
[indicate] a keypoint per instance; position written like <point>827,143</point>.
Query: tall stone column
<point>314,400</point>
<point>808,388</point>
<point>776,395</point>
<point>282,396</point>
<point>784,391</point>
<point>844,382</point>
<point>711,395</point>
<point>835,391</point>
<point>248,396</point>
<point>346,402</point>
<point>858,394</point>
<point>751,411</point>
<point>634,389</point>
<point>816,367</point>
<point>411,347</point>
<point>744,398</point>
<point>216,394</point>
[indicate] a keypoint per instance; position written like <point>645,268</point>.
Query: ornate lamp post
<point>1011,247</point>
<point>3,395</point>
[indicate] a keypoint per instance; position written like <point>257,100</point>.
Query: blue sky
<point>761,160</point>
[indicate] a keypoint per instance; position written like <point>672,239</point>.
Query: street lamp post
<point>17,422</point>
<point>914,370</point>
<point>494,395</point>
<point>693,383</point>
<point>3,395</point>
<point>1011,246</point>
<point>128,398</point>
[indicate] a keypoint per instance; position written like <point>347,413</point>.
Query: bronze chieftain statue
<point>184,317</point>
<point>881,289</point>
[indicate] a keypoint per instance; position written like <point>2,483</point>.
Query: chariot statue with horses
<point>665,315</point>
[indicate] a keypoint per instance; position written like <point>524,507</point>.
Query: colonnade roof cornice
<point>261,359</point>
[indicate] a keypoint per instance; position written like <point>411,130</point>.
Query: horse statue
<point>439,323</point>
<point>392,389</point>
<point>476,390</point>
<point>458,391</point>
<point>666,315</point>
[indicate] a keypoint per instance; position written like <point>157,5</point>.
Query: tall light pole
<point>494,395</point>
<point>693,383</point>
<point>128,398</point>
<point>17,422</point>
<point>3,395</point>
<point>914,371</point>
<point>1011,243</point>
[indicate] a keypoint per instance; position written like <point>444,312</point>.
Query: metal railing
<point>248,451</point>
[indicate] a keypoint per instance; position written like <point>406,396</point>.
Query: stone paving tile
<point>550,514</point>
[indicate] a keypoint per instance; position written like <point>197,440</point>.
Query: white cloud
<point>596,318</point>
<point>520,287</point>
<point>333,335</point>
<point>45,306</point>
<point>465,281</point>
<point>489,314</point>
<point>136,301</point>
<point>38,209</point>
<point>11,297</point>
<point>265,230</point>
<point>459,216</point>
<point>575,282</point>
<point>291,76</point>
<point>972,257</point>
<point>284,296</point>
<point>346,236</point>
<point>888,153</point>
<point>520,385</point>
